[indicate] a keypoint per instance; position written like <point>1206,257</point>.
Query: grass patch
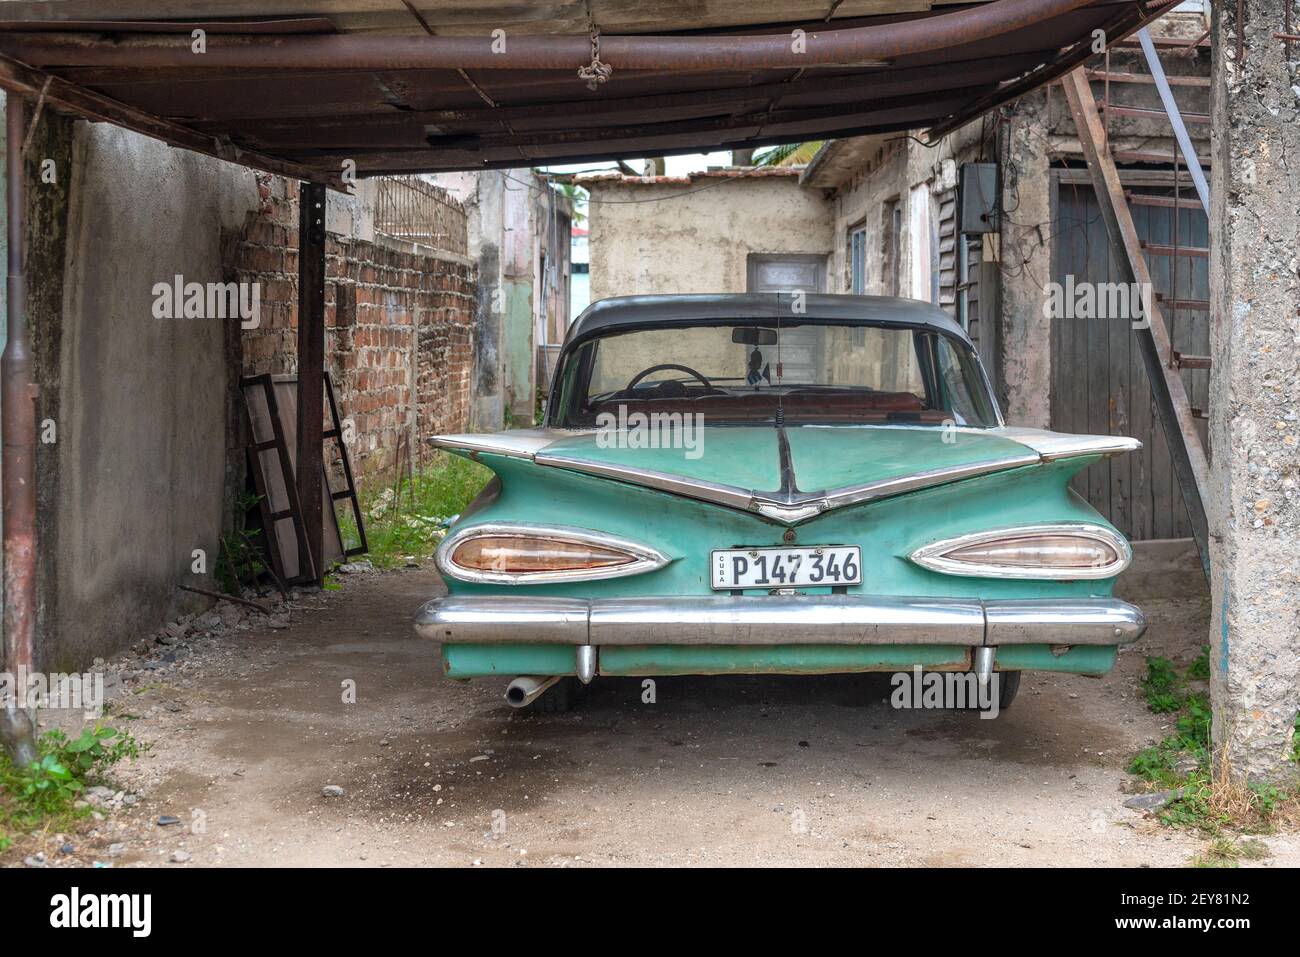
<point>406,521</point>
<point>1167,764</point>
<point>1226,852</point>
<point>1212,800</point>
<point>43,795</point>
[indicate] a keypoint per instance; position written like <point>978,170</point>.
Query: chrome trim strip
<point>498,618</point>
<point>854,494</point>
<point>1083,621</point>
<point>645,558</point>
<point>516,443</point>
<point>827,619</point>
<point>934,556</point>
<point>732,495</point>
<point>1062,445</point>
<point>783,620</point>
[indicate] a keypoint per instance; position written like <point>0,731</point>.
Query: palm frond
<point>788,154</point>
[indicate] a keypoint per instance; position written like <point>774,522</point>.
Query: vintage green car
<point>775,484</point>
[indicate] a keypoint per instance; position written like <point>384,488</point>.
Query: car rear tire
<point>1008,685</point>
<point>558,698</point>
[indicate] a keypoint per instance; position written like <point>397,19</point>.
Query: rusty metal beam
<point>352,147</point>
<point>1167,390</point>
<point>835,47</point>
<point>18,434</point>
<point>913,80</point>
<point>311,372</point>
<point>21,79</point>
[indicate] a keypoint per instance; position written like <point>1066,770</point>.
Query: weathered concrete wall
<point>143,403</point>
<point>699,243</point>
<point>1254,494</point>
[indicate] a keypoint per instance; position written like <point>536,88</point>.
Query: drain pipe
<point>18,434</point>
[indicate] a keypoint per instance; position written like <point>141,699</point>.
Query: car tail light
<point>524,554</point>
<point>1061,552</point>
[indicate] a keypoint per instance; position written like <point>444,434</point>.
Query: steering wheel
<point>668,365</point>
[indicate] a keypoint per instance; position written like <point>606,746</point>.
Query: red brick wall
<point>399,329</point>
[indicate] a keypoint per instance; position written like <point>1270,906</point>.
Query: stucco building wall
<point>695,235</point>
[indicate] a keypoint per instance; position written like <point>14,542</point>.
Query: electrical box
<point>978,194</point>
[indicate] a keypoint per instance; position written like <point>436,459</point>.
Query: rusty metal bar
<point>1144,113</point>
<point>1119,76</point>
<point>18,425</point>
<point>1185,361</point>
<point>1167,202</point>
<point>847,47</point>
<point>1167,389</point>
<point>311,370</point>
<point>1162,249</point>
<point>1201,305</point>
<point>1140,156</point>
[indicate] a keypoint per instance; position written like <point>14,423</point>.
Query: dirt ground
<point>247,730</point>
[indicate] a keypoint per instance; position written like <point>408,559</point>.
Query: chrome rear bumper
<point>779,620</point>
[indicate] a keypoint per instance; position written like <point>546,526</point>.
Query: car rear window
<point>798,371</point>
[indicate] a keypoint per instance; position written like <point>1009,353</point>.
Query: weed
<point>239,559</point>
<point>1211,799</point>
<point>406,522</point>
<point>1222,852</point>
<point>46,791</point>
<point>1162,686</point>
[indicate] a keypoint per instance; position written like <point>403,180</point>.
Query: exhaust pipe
<point>526,689</point>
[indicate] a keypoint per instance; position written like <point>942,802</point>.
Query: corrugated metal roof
<point>322,114</point>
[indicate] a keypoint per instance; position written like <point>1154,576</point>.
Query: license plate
<point>786,567</point>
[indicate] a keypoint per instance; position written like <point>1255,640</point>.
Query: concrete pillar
<point>1254,494</point>
<point>1024,369</point>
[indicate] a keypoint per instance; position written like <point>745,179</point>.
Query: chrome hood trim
<point>791,508</point>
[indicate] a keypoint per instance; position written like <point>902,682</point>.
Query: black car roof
<point>629,312</point>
